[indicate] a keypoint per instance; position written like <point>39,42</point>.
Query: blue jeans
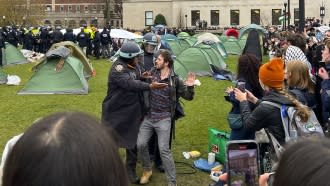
<point>163,130</point>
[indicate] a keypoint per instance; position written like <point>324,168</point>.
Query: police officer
<point>96,43</point>
<point>69,35</point>
<point>122,108</point>
<point>83,40</point>
<point>149,46</point>
<point>106,41</point>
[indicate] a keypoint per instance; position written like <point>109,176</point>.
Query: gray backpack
<point>293,127</point>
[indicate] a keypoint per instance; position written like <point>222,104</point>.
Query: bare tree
<point>15,12</point>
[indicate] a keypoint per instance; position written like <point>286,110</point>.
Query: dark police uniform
<point>122,109</point>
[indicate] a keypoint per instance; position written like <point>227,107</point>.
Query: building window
<point>102,7</point>
<point>148,18</point>
<point>296,16</point>
<point>86,8</point>
<point>61,8</point>
<point>215,17</point>
<point>70,8</point>
<point>276,14</point>
<point>195,16</point>
<point>78,8</point>
<point>117,23</point>
<point>48,8</point>
<point>94,9</point>
<point>255,16</point>
<point>234,17</point>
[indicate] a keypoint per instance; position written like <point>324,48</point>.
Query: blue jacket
<point>325,96</point>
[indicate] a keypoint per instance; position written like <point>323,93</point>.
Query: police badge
<point>119,68</point>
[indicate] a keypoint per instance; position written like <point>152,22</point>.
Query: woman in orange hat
<point>271,79</point>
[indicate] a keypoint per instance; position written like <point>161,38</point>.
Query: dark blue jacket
<point>105,37</point>
<point>69,36</point>
<point>83,39</point>
<point>325,96</point>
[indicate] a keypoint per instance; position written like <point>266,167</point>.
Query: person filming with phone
<point>271,79</point>
<point>247,79</point>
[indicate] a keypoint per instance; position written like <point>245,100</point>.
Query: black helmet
<point>150,38</point>
<point>130,50</point>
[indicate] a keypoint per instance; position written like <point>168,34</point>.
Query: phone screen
<point>243,163</point>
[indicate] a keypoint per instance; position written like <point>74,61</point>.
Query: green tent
<point>78,53</point>
<point>187,42</point>
<point>246,30</point>
<point>175,46</point>
<point>12,56</point>
<point>223,38</point>
<point>197,60</point>
<point>3,76</point>
<point>232,46</point>
<point>68,80</point>
<point>216,57</point>
<point>182,35</point>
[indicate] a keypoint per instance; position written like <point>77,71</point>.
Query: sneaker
<point>145,177</point>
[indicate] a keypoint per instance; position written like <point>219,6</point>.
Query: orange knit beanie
<point>272,73</point>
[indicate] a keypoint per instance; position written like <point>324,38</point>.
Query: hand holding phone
<point>243,162</point>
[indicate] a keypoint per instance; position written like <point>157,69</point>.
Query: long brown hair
<point>298,76</point>
<point>302,111</point>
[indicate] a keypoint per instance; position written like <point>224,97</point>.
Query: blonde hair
<point>302,111</point>
<point>298,76</point>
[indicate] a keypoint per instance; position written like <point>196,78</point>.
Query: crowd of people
<point>40,39</point>
<point>139,111</point>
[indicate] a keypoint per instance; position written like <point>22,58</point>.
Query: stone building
<point>76,13</point>
<point>138,14</point>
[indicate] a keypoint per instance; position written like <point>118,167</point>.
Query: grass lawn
<point>208,109</point>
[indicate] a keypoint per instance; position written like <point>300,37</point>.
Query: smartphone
<point>243,163</point>
<point>241,85</point>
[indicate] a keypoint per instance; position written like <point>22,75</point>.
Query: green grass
<point>208,109</point>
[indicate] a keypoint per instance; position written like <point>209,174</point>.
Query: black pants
<point>131,159</point>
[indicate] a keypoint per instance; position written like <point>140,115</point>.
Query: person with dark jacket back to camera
<point>69,35</point>
<point>106,42</point>
<point>96,43</point>
<point>122,108</point>
<point>44,39</point>
<point>57,35</point>
<point>271,79</point>
<point>83,40</point>
<point>325,85</point>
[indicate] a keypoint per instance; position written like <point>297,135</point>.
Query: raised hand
<point>191,79</point>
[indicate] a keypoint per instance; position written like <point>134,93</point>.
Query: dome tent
<point>198,60</point>
<point>62,72</point>
<point>12,56</point>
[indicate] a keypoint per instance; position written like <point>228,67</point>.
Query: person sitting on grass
<point>68,148</point>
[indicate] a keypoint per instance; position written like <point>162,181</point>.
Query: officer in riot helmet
<point>149,46</point>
